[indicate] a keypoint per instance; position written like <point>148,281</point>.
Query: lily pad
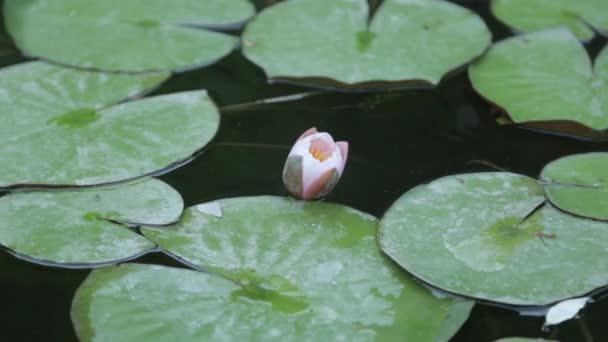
<point>61,127</point>
<point>331,44</point>
<point>484,236</point>
<point>116,35</point>
<point>545,76</point>
<point>79,228</point>
<point>580,16</point>
<point>578,184</point>
<point>280,269</point>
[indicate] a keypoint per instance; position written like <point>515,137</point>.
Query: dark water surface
<point>398,140</point>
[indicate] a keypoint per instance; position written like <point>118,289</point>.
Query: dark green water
<point>398,140</point>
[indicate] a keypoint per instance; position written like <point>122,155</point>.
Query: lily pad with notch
<point>580,16</point>
<point>332,44</point>
<point>278,269</point>
<point>134,35</point>
<point>492,236</point>
<point>578,184</point>
<point>85,227</point>
<point>546,81</point>
<point>66,127</point>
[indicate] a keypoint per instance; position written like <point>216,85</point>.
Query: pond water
<point>398,140</point>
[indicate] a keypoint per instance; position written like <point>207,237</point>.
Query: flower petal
<point>322,185</point>
<point>321,149</point>
<point>343,146</point>
<point>309,132</point>
<point>292,175</point>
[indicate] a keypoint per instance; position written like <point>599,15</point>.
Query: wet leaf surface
<point>80,228</point>
<point>409,42</point>
<point>114,35</point>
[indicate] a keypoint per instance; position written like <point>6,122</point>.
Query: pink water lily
<point>314,165</point>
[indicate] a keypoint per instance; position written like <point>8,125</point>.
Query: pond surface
<point>397,140</point>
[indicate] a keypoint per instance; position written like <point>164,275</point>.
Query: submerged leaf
<point>78,228</point>
<point>118,35</point>
<point>332,44</point>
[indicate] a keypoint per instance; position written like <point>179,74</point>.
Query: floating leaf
<point>565,310</point>
<point>580,16</point>
<point>331,43</point>
<point>288,270</point>
<point>78,228</point>
<point>545,76</point>
<point>578,184</point>
<point>484,236</point>
<point>60,128</point>
<point>138,35</point>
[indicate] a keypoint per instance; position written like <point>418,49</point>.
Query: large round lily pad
<point>60,126</point>
<point>78,228</point>
<point>545,76</point>
<point>331,43</point>
<point>579,184</point>
<point>484,236</point>
<point>280,269</point>
<point>580,16</point>
<point>118,35</point>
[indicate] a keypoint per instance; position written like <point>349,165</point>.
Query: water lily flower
<point>314,165</point>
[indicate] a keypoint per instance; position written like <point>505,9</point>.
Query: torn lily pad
<point>136,36</point>
<point>85,227</point>
<point>283,269</point>
<point>489,236</point>
<point>545,80</point>
<point>580,16</point>
<point>63,126</point>
<point>578,184</point>
<point>330,44</point>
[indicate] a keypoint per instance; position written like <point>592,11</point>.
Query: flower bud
<point>314,165</point>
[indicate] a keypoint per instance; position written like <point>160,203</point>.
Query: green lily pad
<point>61,127</point>
<point>578,184</point>
<point>79,228</point>
<point>280,269</point>
<point>580,16</point>
<point>484,236</point>
<point>331,43</point>
<point>134,35</point>
<point>545,76</point>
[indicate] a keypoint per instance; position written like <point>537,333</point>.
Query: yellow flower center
<point>320,149</point>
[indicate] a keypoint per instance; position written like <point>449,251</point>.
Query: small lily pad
<point>279,269</point>
<point>79,228</point>
<point>134,35</point>
<point>545,77</point>
<point>580,16</point>
<point>331,43</point>
<point>578,184</point>
<point>61,126</point>
<point>489,236</point>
